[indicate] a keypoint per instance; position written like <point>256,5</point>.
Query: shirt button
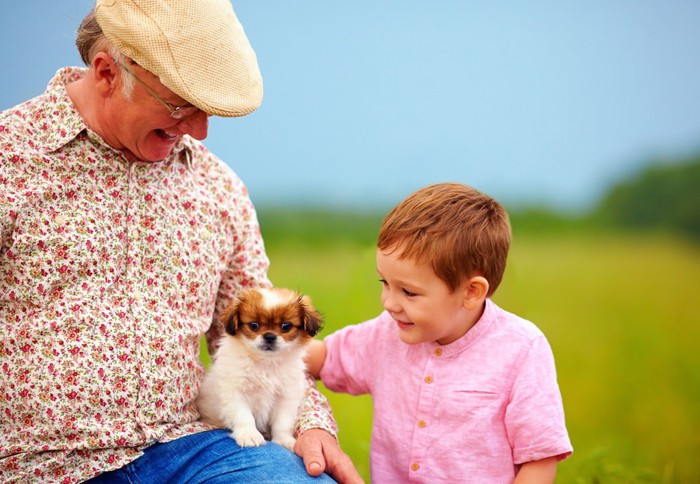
<point>438,352</point>
<point>428,379</point>
<point>415,467</point>
<point>59,219</point>
<point>422,424</point>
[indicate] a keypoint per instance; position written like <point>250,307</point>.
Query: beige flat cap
<point>197,48</point>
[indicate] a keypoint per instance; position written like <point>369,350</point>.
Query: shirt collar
<point>474,333</point>
<point>59,110</point>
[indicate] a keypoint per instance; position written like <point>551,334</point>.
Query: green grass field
<point>618,311</point>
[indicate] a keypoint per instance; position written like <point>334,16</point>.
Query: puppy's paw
<point>285,441</point>
<point>248,437</point>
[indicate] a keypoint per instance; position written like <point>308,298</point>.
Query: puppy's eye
<point>254,325</point>
<point>286,327</point>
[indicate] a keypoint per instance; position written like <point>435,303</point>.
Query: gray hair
<point>90,40</point>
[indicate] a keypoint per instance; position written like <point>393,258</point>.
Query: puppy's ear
<point>312,319</point>
<point>230,317</point>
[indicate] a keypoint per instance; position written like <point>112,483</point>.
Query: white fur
<point>254,392</point>
<point>272,298</point>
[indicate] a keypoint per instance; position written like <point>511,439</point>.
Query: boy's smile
<point>421,303</point>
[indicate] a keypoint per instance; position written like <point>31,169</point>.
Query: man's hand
<point>321,453</point>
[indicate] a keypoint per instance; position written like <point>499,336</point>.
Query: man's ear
<point>106,73</point>
<point>476,289</point>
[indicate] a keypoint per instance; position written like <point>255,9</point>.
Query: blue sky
<point>536,102</point>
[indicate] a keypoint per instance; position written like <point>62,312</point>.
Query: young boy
<point>463,391</point>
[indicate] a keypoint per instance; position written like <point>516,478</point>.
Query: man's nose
<point>195,125</point>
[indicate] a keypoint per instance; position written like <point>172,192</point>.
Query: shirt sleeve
<point>349,363</point>
<point>535,414</point>
<point>343,359</point>
<point>315,412</point>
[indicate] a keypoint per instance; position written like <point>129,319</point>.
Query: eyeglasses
<point>176,112</point>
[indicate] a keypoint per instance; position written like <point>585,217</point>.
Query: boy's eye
<point>286,327</point>
<point>409,293</point>
<point>383,281</point>
<point>254,325</point>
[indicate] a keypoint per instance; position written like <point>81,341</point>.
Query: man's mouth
<point>165,135</point>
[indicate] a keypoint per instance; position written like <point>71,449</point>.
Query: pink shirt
<point>470,411</point>
<point>110,272</point>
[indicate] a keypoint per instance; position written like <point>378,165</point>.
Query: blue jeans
<point>211,457</point>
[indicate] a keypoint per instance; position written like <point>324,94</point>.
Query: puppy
<point>257,379</point>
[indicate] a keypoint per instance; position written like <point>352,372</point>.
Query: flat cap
<point>197,48</point>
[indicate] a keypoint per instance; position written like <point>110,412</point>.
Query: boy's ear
<point>476,289</point>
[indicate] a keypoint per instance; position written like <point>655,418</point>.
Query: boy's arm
<point>315,357</point>
<point>537,471</point>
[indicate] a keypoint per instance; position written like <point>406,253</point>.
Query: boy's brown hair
<point>460,231</point>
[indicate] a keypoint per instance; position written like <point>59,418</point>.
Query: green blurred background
<point>614,290</point>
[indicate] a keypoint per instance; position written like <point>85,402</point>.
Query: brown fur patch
<point>271,309</point>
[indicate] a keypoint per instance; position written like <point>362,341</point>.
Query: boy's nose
<point>390,304</point>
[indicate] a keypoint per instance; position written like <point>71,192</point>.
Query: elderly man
<point>121,240</point>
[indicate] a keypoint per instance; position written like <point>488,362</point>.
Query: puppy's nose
<point>269,337</point>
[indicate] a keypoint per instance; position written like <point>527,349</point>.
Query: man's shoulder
<point>18,136</point>
<point>216,179</point>
<point>201,158</point>
<point>207,164</point>
<point>17,120</point>
<point>45,122</point>
<point>35,126</point>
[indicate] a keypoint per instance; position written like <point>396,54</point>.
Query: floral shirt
<point>110,273</point>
